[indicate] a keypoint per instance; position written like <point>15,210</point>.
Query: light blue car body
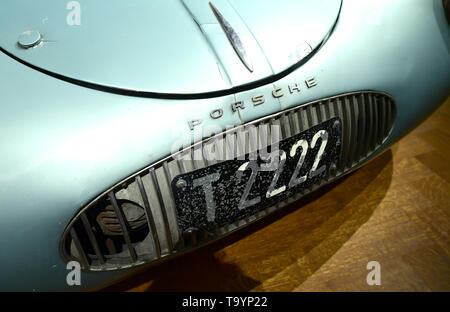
<point>63,143</point>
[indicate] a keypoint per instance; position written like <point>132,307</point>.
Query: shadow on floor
<point>275,245</point>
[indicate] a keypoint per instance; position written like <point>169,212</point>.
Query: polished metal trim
<point>305,116</point>
<point>163,209</point>
<point>92,238</point>
<point>149,215</point>
<point>123,225</point>
<point>79,247</point>
<point>233,37</point>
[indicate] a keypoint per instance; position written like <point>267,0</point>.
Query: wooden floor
<point>395,210</point>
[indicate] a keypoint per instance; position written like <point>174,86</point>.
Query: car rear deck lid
<point>160,46</point>
<point>151,46</point>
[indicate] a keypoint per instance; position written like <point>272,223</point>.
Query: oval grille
<point>135,222</point>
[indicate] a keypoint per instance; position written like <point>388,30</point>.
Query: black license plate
<point>231,190</point>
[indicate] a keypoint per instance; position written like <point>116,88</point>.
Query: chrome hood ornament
<point>233,38</point>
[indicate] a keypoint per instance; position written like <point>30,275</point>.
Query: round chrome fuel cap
<point>29,39</point>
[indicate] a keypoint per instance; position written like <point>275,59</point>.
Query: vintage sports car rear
<point>135,131</point>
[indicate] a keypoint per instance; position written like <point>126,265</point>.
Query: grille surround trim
<point>346,166</point>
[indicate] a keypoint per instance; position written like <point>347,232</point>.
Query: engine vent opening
<point>135,221</point>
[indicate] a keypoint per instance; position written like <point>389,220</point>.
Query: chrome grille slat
<point>375,122</point>
<point>349,132</point>
<point>123,225</point>
<point>290,124</point>
<point>304,119</point>
<point>80,250</point>
<point>362,132</point>
<point>286,126</point>
<point>193,159</point>
<point>383,120</point>
<point>149,216</point>
<point>309,115</point>
<point>331,108</point>
<point>313,113</point>
<point>163,210</point>
<point>275,134</point>
<point>390,115</point>
<point>240,142</point>
<point>253,140</point>
<point>366,123</point>
<point>344,149</point>
<point>230,142</point>
<point>220,153</point>
<point>263,136</point>
<point>294,122</point>
<point>322,115</point>
<point>370,125</point>
<point>168,178</point>
<point>92,239</point>
<point>353,108</point>
<point>181,166</point>
<point>282,127</point>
